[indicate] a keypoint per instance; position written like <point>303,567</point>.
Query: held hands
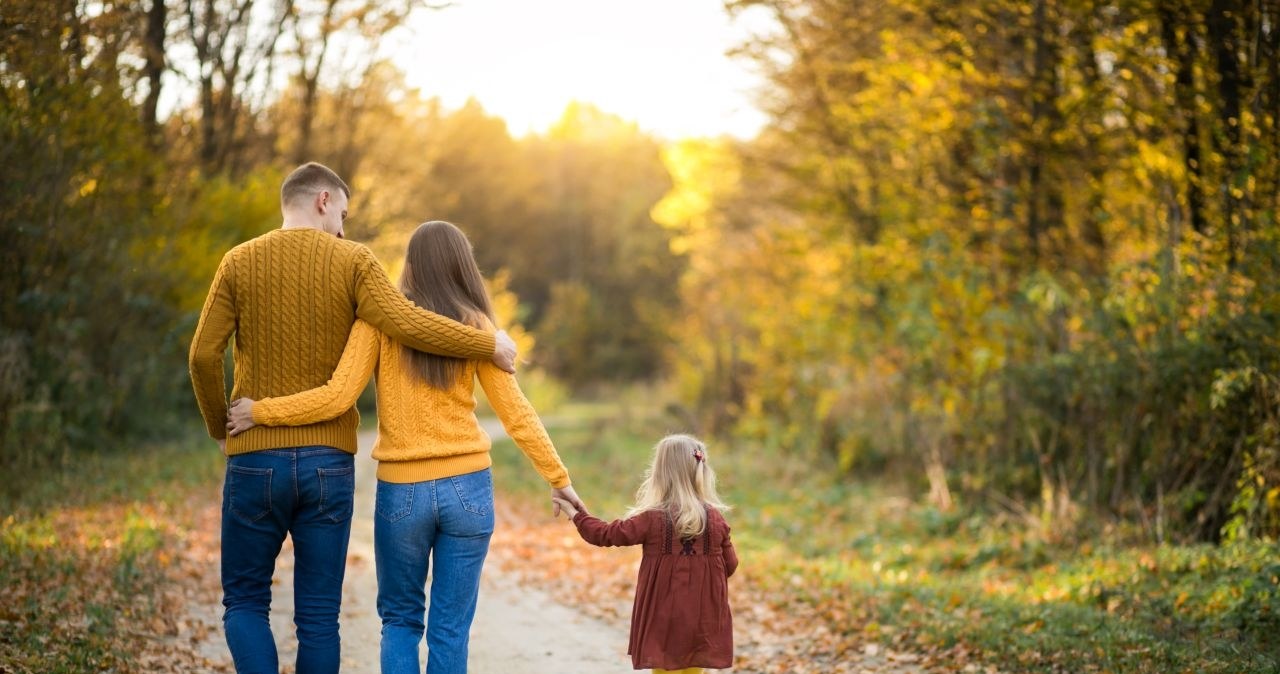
<point>504,351</point>
<point>563,505</point>
<point>566,499</point>
<point>240,416</point>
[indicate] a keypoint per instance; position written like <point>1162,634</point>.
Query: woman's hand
<point>563,505</point>
<point>240,416</point>
<point>567,494</point>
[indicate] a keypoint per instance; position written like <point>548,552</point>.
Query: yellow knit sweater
<point>290,297</point>
<point>424,433</point>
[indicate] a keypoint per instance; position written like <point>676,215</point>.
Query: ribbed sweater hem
<point>339,433</point>
<point>433,468</point>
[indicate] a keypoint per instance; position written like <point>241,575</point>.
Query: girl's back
<point>681,616</point>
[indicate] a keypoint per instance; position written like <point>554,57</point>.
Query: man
<point>290,297</point>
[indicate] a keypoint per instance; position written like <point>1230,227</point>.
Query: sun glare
<point>661,63</point>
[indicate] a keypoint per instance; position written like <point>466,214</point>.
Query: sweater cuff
<point>259,413</point>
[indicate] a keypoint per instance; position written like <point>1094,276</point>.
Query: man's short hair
<point>308,180</point>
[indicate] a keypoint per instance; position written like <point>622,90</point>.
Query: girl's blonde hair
<point>680,481</point>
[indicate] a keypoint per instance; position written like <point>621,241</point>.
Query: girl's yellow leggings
<point>691,670</point>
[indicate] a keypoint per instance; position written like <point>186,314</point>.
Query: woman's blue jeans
<point>306,493</point>
<point>449,522</point>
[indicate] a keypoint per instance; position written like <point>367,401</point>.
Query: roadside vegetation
<point>876,563</point>
<point>96,560</point>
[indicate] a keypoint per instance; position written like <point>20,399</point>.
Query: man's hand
<point>240,416</point>
<point>222,444</point>
<point>566,495</point>
<point>504,351</point>
<point>566,506</point>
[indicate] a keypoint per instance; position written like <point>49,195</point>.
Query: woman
<point>435,491</point>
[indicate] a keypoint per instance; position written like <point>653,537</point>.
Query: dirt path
<point>519,629</point>
<point>520,626</point>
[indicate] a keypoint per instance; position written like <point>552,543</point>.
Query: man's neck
<point>299,223</point>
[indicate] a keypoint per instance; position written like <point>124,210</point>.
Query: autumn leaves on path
<point>549,602</point>
<point>519,628</point>
<point>548,554</point>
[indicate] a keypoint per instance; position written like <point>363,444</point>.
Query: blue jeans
<point>305,492</point>
<point>450,521</point>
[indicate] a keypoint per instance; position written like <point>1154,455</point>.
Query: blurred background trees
<point>1020,253</point>
<point>119,209</point>
<point>1022,250</point>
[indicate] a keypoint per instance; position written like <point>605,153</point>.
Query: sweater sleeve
<point>630,531</point>
<point>379,303</point>
<point>208,346</point>
<point>522,423</point>
<point>335,396</point>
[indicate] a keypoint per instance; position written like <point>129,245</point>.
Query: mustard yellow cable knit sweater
<point>290,297</point>
<point>424,433</point>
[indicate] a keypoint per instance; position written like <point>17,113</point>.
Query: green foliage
<point>565,214</point>
<point>117,218</point>
<point>210,216</point>
<point>87,556</point>
<point>877,565</point>
<point>78,290</point>
<point>1012,250</point>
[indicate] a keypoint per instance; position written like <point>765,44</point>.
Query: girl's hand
<point>566,493</point>
<point>563,505</point>
<point>240,416</point>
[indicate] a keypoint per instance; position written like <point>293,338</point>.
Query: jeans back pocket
<point>248,492</point>
<point>337,492</point>
<point>394,500</point>
<point>475,490</point>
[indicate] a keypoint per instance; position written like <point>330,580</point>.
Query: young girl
<point>680,621</point>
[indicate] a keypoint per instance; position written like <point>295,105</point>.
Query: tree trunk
<point>1223,24</point>
<point>1180,49</point>
<point>1267,101</point>
<point>154,69</point>
<point>1044,194</point>
<point>1091,223</point>
<point>310,84</point>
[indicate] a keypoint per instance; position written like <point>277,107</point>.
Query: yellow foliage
<point>506,310</point>
<point>704,174</point>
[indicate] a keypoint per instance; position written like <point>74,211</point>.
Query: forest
<point>1019,256</point>
<point>1019,250</point>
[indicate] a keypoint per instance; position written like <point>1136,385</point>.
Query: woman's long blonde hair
<point>680,481</point>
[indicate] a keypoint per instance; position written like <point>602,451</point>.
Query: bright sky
<point>660,63</point>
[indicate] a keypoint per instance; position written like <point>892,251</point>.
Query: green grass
<point>605,465</point>
<point>161,470</point>
<point>86,552</point>
<point>881,565</point>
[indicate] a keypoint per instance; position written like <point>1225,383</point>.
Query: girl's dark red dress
<point>681,613</point>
